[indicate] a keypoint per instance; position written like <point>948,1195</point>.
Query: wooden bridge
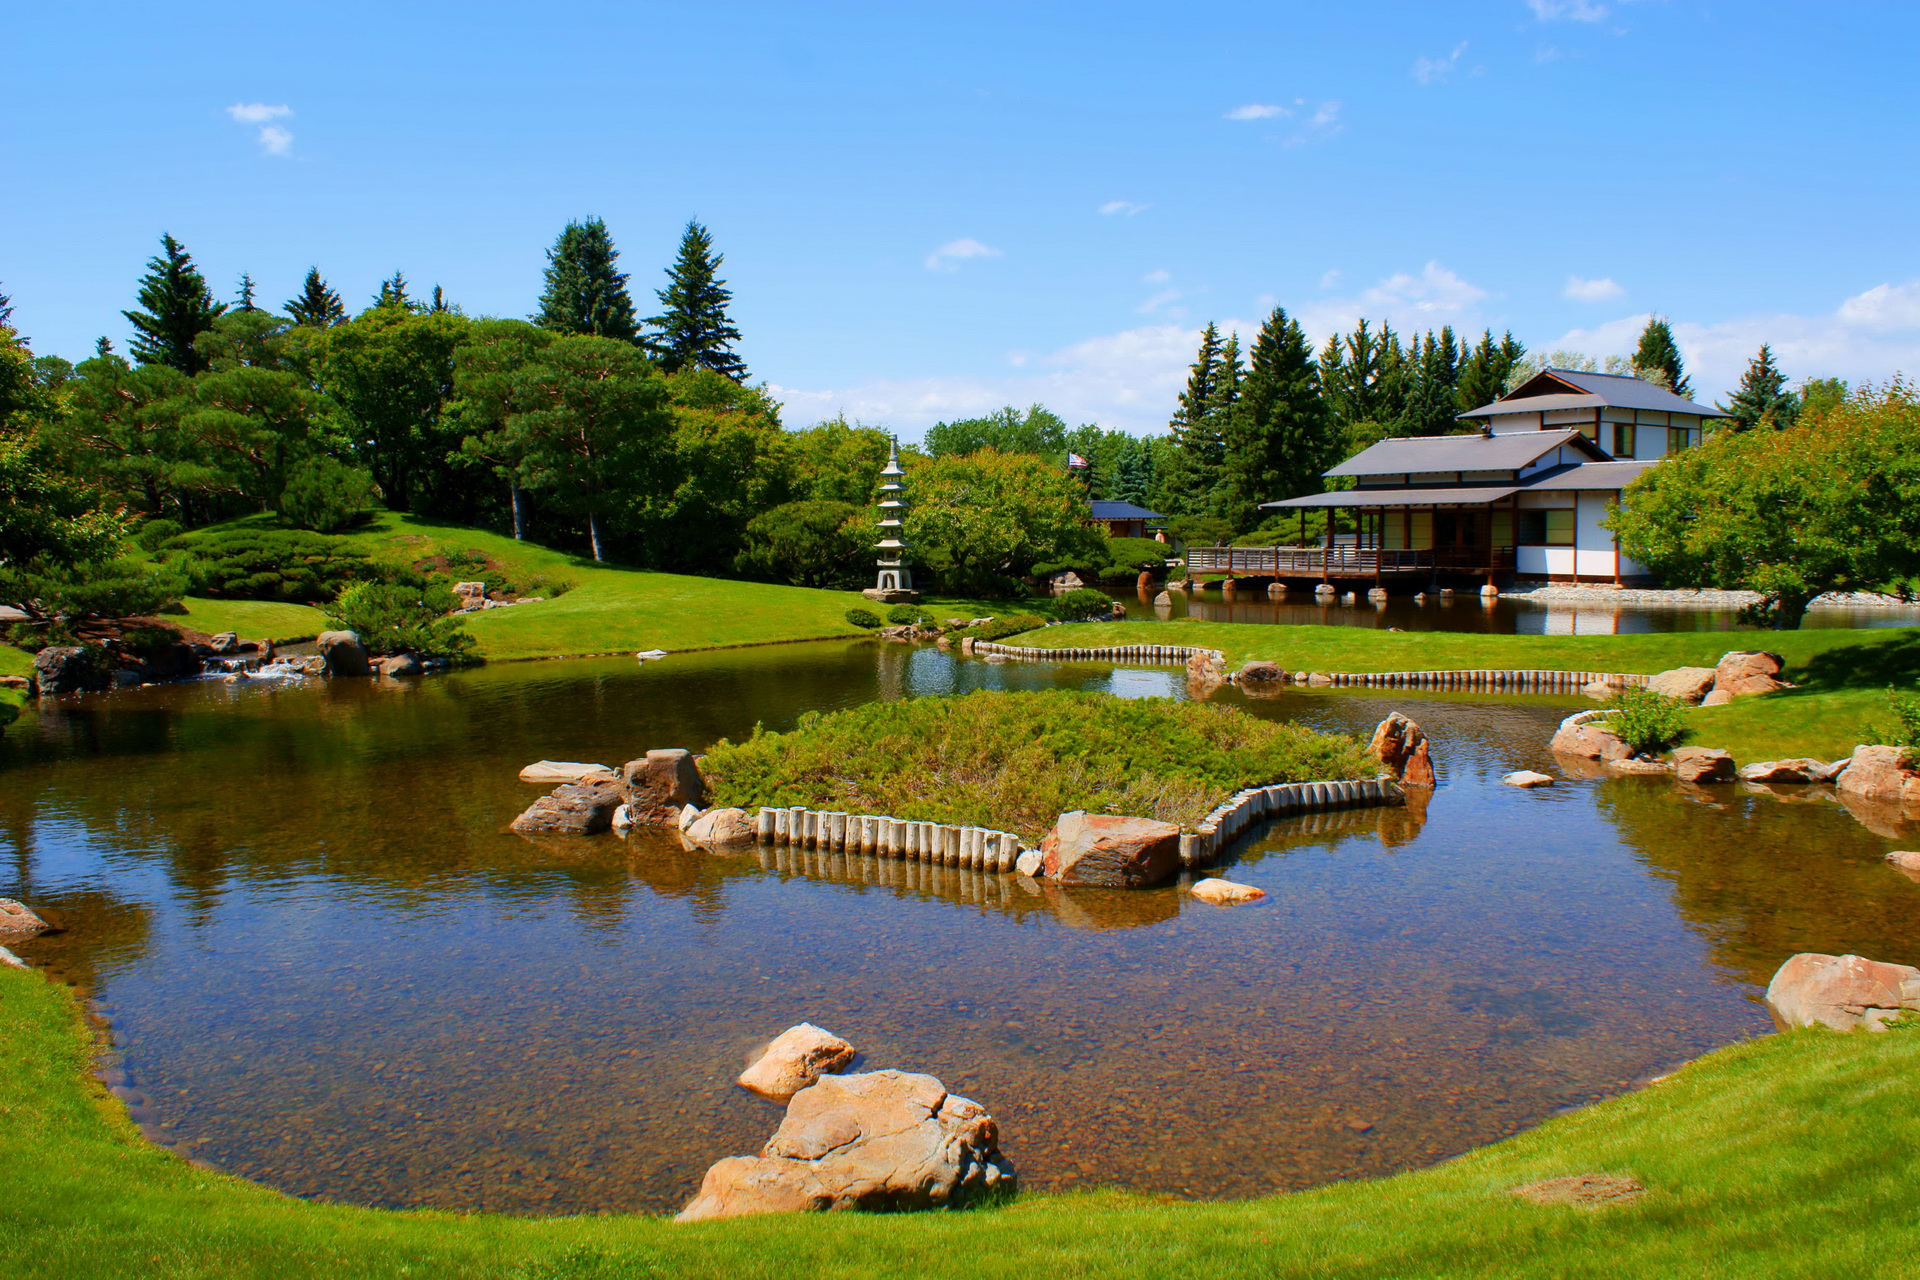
<point>1345,561</point>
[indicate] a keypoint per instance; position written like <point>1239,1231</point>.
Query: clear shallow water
<point>330,967</point>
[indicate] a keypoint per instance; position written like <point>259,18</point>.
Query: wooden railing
<point>1341,562</point>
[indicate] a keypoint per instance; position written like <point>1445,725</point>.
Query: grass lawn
<point>1787,1156</point>
<point>1843,673</point>
<point>254,619</point>
<point>15,662</point>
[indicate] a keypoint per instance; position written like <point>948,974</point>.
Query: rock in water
<point>402,664</point>
<point>343,652</point>
<point>17,922</point>
<point>551,772</point>
<point>1845,993</point>
<point>797,1057</point>
<point>1589,742</point>
<point>722,826</point>
<point>661,784</point>
<point>66,668</point>
<point>881,1140</point>
<point>224,644</point>
<point>1206,669</point>
<point>1031,863</point>
<point>1778,771</point>
<point>1225,893</point>
<point>1879,773</point>
<point>1261,673</point>
<point>1528,778</point>
<point>1906,860</point>
<point>1419,768</point>
<point>1110,850</point>
<point>573,809</point>
<point>1689,684</point>
<point>1749,671</point>
<point>1394,742</point>
<point>1702,764</point>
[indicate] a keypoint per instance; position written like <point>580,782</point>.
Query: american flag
<point>1075,460</point>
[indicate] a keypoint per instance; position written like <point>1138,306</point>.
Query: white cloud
<point>1591,290</point>
<point>1157,277</point>
<point>1567,10</point>
<point>1869,337</point>
<point>1125,207</point>
<point>1433,298</point>
<point>1159,300</point>
<point>1319,122</point>
<point>1325,116</point>
<point>275,140</point>
<point>1435,70</point>
<point>1330,278</point>
<point>949,255</point>
<point>1259,111</point>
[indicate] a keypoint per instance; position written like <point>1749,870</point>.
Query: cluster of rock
<point>59,669</point>
<point>653,790</point>
<point>878,1140</point>
<point>473,597</point>
<point>1739,674</point>
<point>1844,993</point>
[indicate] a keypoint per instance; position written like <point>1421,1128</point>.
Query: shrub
<point>1647,721</point>
<point>155,532</point>
<point>1126,557</point>
<point>325,495</point>
<point>148,642</point>
<point>1001,628</point>
<point>866,619</point>
<point>1904,732</point>
<point>391,617</point>
<point>1082,602</point>
<point>269,564</point>
<point>121,588</point>
<point>905,615</point>
<point>1018,760</point>
<point>547,588</point>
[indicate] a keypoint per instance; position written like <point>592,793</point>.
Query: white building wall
<point>1595,557</point>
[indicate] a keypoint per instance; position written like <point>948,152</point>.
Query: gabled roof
<point>1500,451</point>
<point>1579,389</point>
<point>1106,509</point>
<point>1607,477</point>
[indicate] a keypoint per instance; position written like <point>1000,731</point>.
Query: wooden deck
<point>1340,562</point>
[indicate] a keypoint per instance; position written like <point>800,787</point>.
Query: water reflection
<point>331,967</point>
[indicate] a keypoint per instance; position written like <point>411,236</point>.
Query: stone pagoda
<point>895,585</point>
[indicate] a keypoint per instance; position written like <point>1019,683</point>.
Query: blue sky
<point>930,211</point>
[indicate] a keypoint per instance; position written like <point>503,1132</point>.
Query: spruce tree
<point>439,306</point>
<point>1658,357</point>
<point>1484,370</point>
<point>6,309</point>
<point>177,307</point>
<point>1284,434</point>
<point>1432,394</point>
<point>244,303</point>
<point>1761,399</point>
<point>393,293</point>
<point>693,329</point>
<point>1188,483</point>
<point>585,292</point>
<point>318,305</point>
<point>103,346</point>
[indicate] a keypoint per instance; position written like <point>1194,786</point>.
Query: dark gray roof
<point>1591,475</point>
<point>1576,389</point>
<point>1502,451</point>
<point>1105,509</point>
<point>1604,476</point>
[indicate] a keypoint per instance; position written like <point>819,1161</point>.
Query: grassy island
<point>1018,760</point>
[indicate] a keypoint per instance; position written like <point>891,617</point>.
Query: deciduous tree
<point>978,522</point>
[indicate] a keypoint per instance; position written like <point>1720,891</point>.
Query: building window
<point>1420,530</point>
<point>1502,522</point>
<point>1624,439</point>
<point>1546,528</point>
<point>1678,438</point>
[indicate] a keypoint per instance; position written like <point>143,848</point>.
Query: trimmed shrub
<point>866,619</point>
<point>1082,602</point>
<point>905,615</point>
<point>1647,721</point>
<point>155,532</point>
<point>325,495</point>
<point>1001,628</point>
<point>269,564</point>
<point>1904,731</point>
<point>392,617</point>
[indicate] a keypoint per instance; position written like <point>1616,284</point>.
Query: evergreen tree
<point>1484,370</point>
<point>1658,357</point>
<point>1762,399</point>
<point>245,301</point>
<point>103,346</point>
<point>693,328</point>
<point>393,293</point>
<point>6,309</point>
<point>1188,485</point>
<point>439,306</point>
<point>1283,436</point>
<point>585,292</point>
<point>318,305</point>
<point>1432,396</point>
<point>177,308</point>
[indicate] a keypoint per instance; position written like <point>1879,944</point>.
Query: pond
<point>329,967</point>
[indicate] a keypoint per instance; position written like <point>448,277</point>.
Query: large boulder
<point>224,645</point>
<point>1787,771</point>
<point>18,922</point>
<point>1589,741</point>
<point>1110,850</point>
<point>797,1057</point>
<point>1880,774</point>
<point>402,664</point>
<point>660,784</point>
<point>722,826</point>
<point>572,809</point>
<point>1746,671</point>
<point>1845,993</point>
<point>550,772</point>
<point>1394,743</point>
<point>1702,764</point>
<point>1205,668</point>
<point>68,668</point>
<point>343,653</point>
<point>1689,684</point>
<point>1262,673</point>
<point>880,1140</point>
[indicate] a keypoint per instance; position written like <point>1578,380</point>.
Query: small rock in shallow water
<point>18,922</point>
<point>1225,893</point>
<point>797,1057</point>
<point>552,772</point>
<point>1528,778</point>
<point>1906,861</point>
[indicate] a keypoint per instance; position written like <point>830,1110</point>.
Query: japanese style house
<point>1125,520</point>
<point>1520,499</point>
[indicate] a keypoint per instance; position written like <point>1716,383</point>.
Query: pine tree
<point>1761,399</point>
<point>103,346</point>
<point>439,306</point>
<point>6,309</point>
<point>1284,435</point>
<point>318,305</point>
<point>244,303</point>
<point>693,328</point>
<point>585,293</point>
<point>1485,369</point>
<point>1658,357</point>
<point>177,308</point>
<point>393,292</point>
<point>1189,484</point>
<point>1432,395</point>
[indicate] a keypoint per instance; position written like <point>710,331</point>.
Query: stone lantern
<point>895,584</point>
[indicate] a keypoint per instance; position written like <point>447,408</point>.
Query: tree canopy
<point>978,521</point>
<point>1008,430</point>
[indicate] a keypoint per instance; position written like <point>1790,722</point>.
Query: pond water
<point>328,966</point>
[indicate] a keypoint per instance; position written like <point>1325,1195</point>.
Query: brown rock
<point>1419,768</point>
<point>1394,742</point>
<point>1111,850</point>
<point>1782,771</point>
<point>65,668</point>
<point>573,809</point>
<point>1845,993</point>
<point>659,785</point>
<point>550,772</point>
<point>1261,673</point>
<point>401,664</point>
<point>881,1140</point>
<point>1631,767</point>
<point>1589,742</point>
<point>1702,764</point>
<point>1746,671</point>
<point>722,826</point>
<point>1225,893</point>
<point>1582,1189</point>
<point>1205,667</point>
<point>797,1057</point>
<point>1690,684</point>
<point>343,653</point>
<point>1718,698</point>
<point>1163,601</point>
<point>1906,861</point>
<point>1318,680</point>
<point>1881,774</point>
<point>18,922</point>
<point>1528,778</point>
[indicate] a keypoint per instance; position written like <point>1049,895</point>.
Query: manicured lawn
<point>15,662</point>
<point>254,619</point>
<point>1791,1155</point>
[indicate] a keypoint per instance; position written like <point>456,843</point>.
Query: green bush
<point>1647,721</point>
<point>546,588</point>
<point>905,615</point>
<point>1016,761</point>
<point>391,617</point>
<point>147,642</point>
<point>1082,602</point>
<point>866,619</point>
<point>1001,628</point>
<point>155,532</point>
<point>1128,556</point>
<point>269,564</point>
<point>325,495</point>
<point>1904,731</point>
<point>122,588</point>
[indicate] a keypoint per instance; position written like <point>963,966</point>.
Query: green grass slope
<point>1789,1156</point>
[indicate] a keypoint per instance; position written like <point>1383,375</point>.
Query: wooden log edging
<point>1212,835</point>
<point>1149,654</point>
<point>879,835</point>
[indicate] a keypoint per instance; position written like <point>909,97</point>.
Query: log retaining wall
<point>882,836</point>
<point>1214,833</point>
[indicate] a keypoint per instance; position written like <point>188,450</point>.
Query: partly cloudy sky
<point>923,218</point>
